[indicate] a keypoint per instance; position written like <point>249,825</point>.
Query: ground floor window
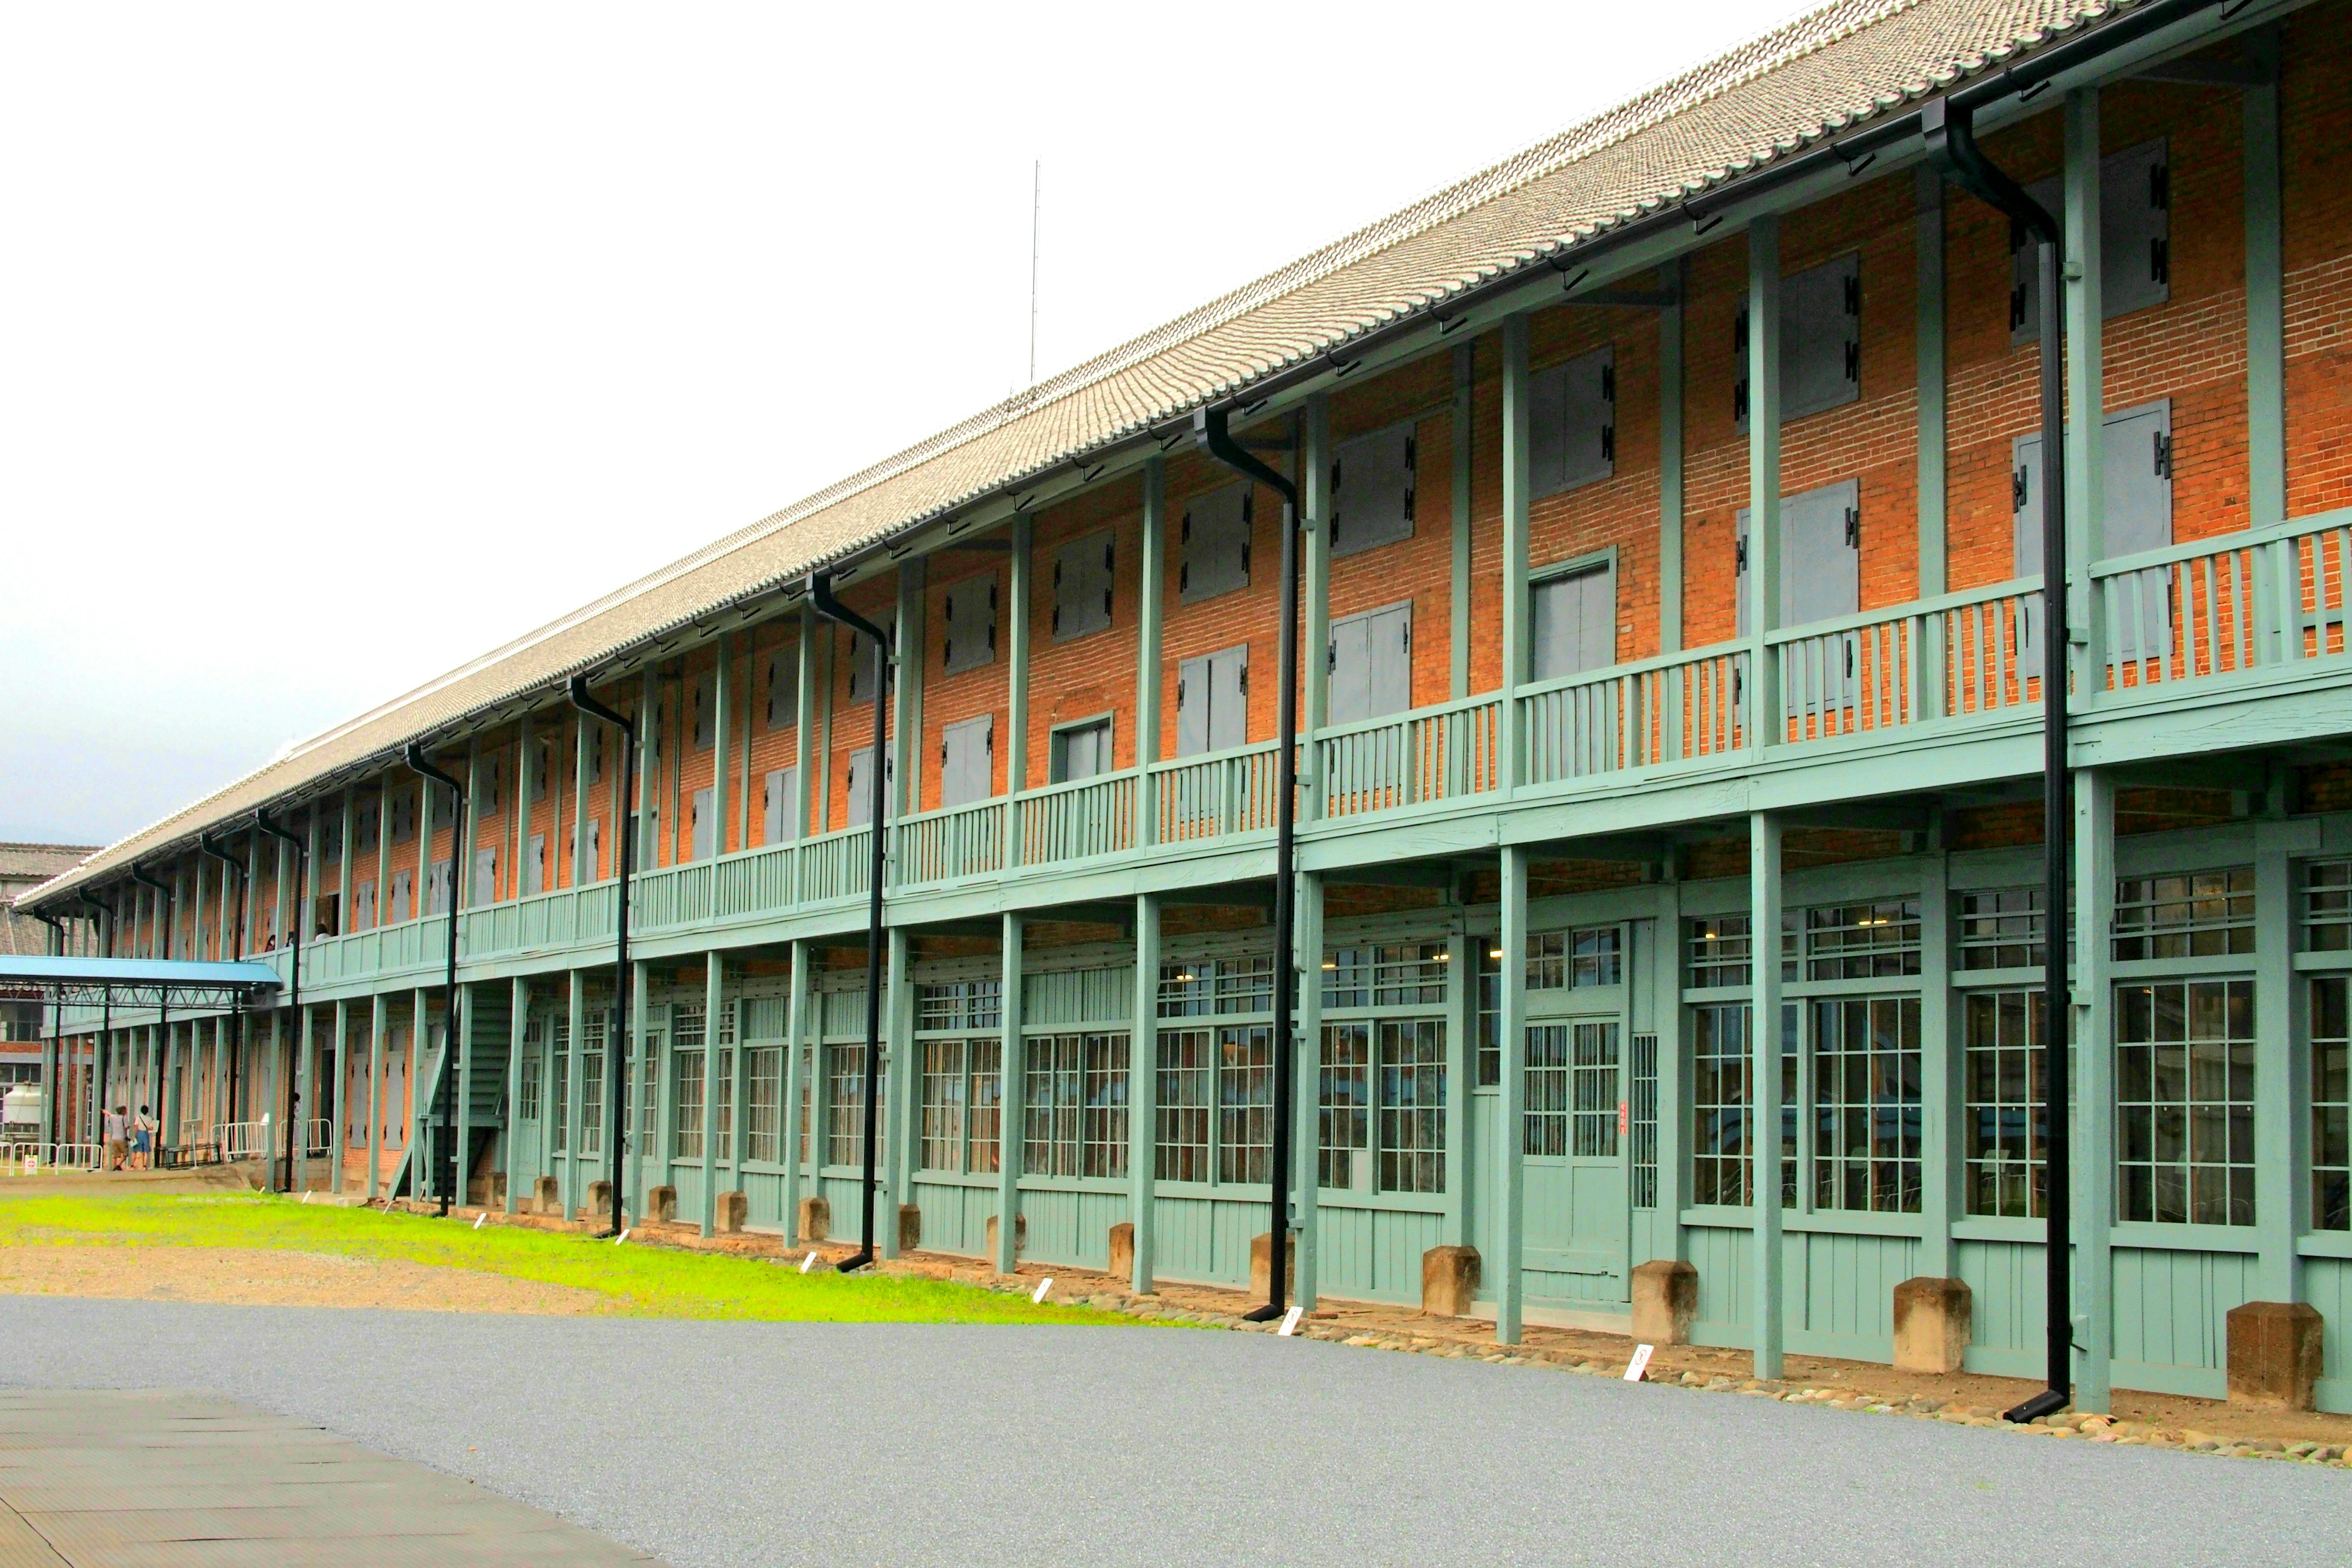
<point>1382,1106</point>
<point>845,1107</point>
<point>592,1103</point>
<point>1216,1104</point>
<point>527,1088</point>
<point>2185,1101</point>
<point>1074,1121</point>
<point>1868,1141</point>
<point>763,1094</point>
<point>1181,1146</point>
<point>963,1104</point>
<point>1344,1106</point>
<point>1721,1102</point>
<point>1571,1090</point>
<point>722,1118</point>
<point>2331,1103</point>
<point>686,1105</point>
<point>2008,1103</point>
<point>1245,1104</point>
<point>558,1074</point>
<point>1644,1121</point>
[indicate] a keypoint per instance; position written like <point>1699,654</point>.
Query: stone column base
<point>730,1212</point>
<point>1449,1280</point>
<point>2274,1350</point>
<point>1262,1265</point>
<point>1934,1321</point>
<point>1020,1239</point>
<point>1665,1299</point>
<point>911,1228</point>
<point>1122,1251</point>
<point>600,1201</point>
<point>547,1197</point>
<point>661,1204</point>
<point>816,1219</point>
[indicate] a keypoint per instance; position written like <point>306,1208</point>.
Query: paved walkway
<point>846,1446</point>
<point>101,1479</point>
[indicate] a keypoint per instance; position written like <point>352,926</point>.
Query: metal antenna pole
<point>1036,199</point>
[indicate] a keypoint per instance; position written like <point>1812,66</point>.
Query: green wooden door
<point>1575,1145</point>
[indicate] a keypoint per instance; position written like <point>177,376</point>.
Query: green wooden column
<point>1929,335</point>
<point>1942,1089</point>
<point>2085,389</point>
<point>1016,683</point>
<point>379,1010</point>
<point>722,719</point>
<point>417,1038</point>
<point>2266,296</point>
<point>518,1025</point>
<point>382,855</point>
<point>575,1003</point>
<point>1462,1151</point>
<point>1765,726</point>
<point>2094,1098</point>
<point>1458,618</point>
<point>905,794</point>
<point>305,1091</point>
<point>796,1039</point>
<point>1673,281</point>
<point>583,871</point>
<point>648,748</point>
<point>714,977</point>
<point>2279,1067</point>
<point>519,845</point>
<point>1143,1090</point>
<point>336,1138</point>
<point>641,1064</point>
<point>1670,1240</point>
<point>901,1085</point>
<point>1307,1042</point>
<point>1510,1223</point>
<point>805,761</point>
<point>1314,539</point>
<point>825,644</point>
<point>1012,1101</point>
<point>1765,1046</point>
<point>1516,495</point>
<point>1151,600</point>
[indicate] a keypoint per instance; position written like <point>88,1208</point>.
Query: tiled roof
<point>1838,67</point>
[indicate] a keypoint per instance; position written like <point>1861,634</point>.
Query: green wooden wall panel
<point>1370,1254</point>
<point>1071,1228</point>
<point>2170,1305</point>
<point>763,1195</point>
<point>2328,1285</point>
<point>1721,1257</point>
<point>765,1018</point>
<point>1849,1284</point>
<point>2005,1282</point>
<point>1079,997</point>
<point>955,1215</point>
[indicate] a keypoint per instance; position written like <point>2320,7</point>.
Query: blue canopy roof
<point>136,982</point>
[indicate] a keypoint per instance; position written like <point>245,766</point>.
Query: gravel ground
<point>848,1445</point>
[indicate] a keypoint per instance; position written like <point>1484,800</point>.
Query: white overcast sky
<point>338,343</point>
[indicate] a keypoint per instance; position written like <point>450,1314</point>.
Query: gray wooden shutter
<point>1820,337</point>
<point>1548,462</point>
<point>1821,555</point>
<point>1082,585</point>
<point>1350,663</point>
<point>776,804</point>
<point>1215,536</point>
<point>861,656</point>
<point>1572,624</point>
<point>1372,489</point>
<point>784,690</point>
<point>706,712</point>
<point>1229,698</point>
<point>588,873</point>
<point>1192,707</point>
<point>534,869</point>
<point>484,887</point>
<point>2135,240</point>
<point>1588,385</point>
<point>1370,662</point>
<point>701,835</point>
<point>970,625</point>
<point>861,783</point>
<point>965,750</point>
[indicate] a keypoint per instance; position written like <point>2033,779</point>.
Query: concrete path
<point>104,1479</point>
<point>844,1446</point>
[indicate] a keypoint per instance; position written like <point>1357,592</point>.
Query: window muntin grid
<point>1409,1068</point>
<point>644,1108</point>
<point>1075,1122</point>
<point>1565,960</point>
<point>1212,987</point>
<point>2008,1103</point>
<point>942,1107</point>
<point>2189,914</point>
<point>2002,928</point>
<point>960,1005</point>
<point>1863,941</point>
<point>686,1026</point>
<point>1721,1103</point>
<point>845,1107</point>
<point>2185,1101</point>
<point>2328,906</point>
<point>1392,974</point>
<point>591,1094</point>
<point>808,1095</point>
<point>1344,1155</point>
<point>558,1075</point>
<point>1571,1090</point>
<point>1245,1103</point>
<point>527,1092</point>
<point>722,1113</point>
<point>1718,952</point>
<point>1489,968</point>
<point>1187,1065</point>
<point>686,1104</point>
<point>1866,1112</point>
<point>983,1105</point>
<point>763,1096</point>
<point>2331,1102</point>
<point>1644,1140</point>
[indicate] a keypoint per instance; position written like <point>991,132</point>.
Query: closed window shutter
<point>1547,438</point>
<point>1821,555</point>
<point>1192,707</point>
<point>783,690</point>
<point>2135,240</point>
<point>1588,435</point>
<point>965,750</point>
<point>1572,624</point>
<point>1372,489</point>
<point>1215,540</point>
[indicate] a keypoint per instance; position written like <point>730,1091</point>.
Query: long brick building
<point>1569,736</point>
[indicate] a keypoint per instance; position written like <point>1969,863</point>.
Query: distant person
<point>142,1140</point>
<point>118,1138</point>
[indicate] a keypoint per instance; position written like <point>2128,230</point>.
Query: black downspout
<point>1211,436</point>
<point>294,988</point>
<point>617,1040</point>
<point>1952,149</point>
<point>820,591</point>
<point>214,848</point>
<point>418,763</point>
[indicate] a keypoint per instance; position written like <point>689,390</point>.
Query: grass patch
<point>637,1281</point>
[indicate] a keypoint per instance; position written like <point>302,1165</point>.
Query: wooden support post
<point>518,1031</point>
<point>1016,684</point>
<point>1766,1045</point>
<point>1928,332</point>
<point>574,1192</point>
<point>1151,594</point>
<point>2265,301</point>
<point>1458,611</point>
<point>1509,1229</point>
<point>722,719</point>
<point>1143,1091</point>
<point>899,1076</point>
<point>1307,1141</point>
<point>378,1018</point>
<point>1674,1085</point>
<point>806,761</point>
<point>1673,280</point>
<point>1766,725</point>
<point>583,863</point>
<point>640,1064</point>
<point>1516,478</point>
<point>714,978</point>
<point>2279,1067</point>
<point>2086,452</point>
<point>1461,1073</point>
<point>1942,1088</point>
<point>418,1038</point>
<point>796,1039</point>
<point>906,791</point>
<point>1315,538</point>
<point>2094,1098</point>
<point>1013,1103</point>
